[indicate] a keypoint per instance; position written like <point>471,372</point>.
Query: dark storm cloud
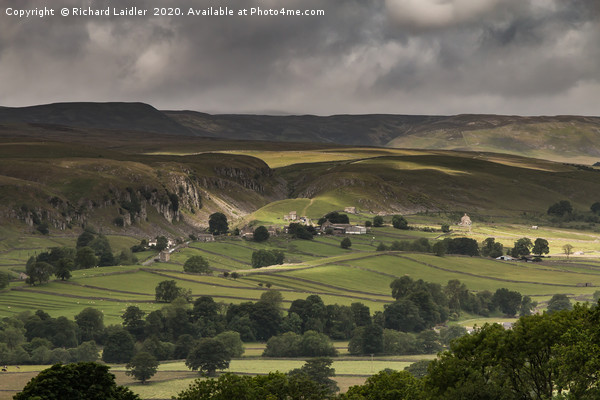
<point>395,56</point>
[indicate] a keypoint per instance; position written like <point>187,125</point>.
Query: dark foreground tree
<point>208,356</point>
<point>387,385</point>
<point>142,366</point>
<point>86,380</point>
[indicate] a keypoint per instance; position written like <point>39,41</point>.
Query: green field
<point>320,266</point>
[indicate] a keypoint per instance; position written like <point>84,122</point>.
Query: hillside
<point>559,138</point>
<point>573,139</point>
<point>111,116</point>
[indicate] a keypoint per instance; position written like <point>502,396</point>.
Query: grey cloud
<point>426,56</point>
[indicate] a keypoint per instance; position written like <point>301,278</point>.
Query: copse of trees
<point>299,231</point>
<point>308,344</point>
<point>560,209</point>
<point>399,222</point>
<point>264,258</point>
<point>335,218</point>
<point>491,248</point>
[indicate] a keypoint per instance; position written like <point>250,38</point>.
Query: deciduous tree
<point>142,366</point>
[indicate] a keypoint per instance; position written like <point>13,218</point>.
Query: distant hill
<point>111,116</point>
<point>573,139</point>
<point>559,138</point>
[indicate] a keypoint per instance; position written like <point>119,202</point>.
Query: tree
<point>560,209</point>
<point>208,356</point>
<point>508,301</point>
<point>345,243</point>
<point>261,234</point>
<point>445,228</point>
<point>233,343</point>
<point>387,385</point>
<point>84,380</point>
<point>399,222</point>
<point>167,291</point>
<point>85,238</point>
<point>595,208</point>
<point>161,243</point>
<point>196,264</point>
<point>378,221</point>
<point>142,366</point>
<point>63,268</point>
<point>217,224</point>
<point>299,231</point>
<point>439,248</point>
<point>462,245</point>
<point>4,279</point>
<point>319,370</point>
<point>335,218</point>
<point>133,322</point>
<point>522,247</point>
<point>264,258</point>
<point>540,247</point>
<point>568,250</point>
<point>491,248</point>
<point>91,324</point>
<point>85,258</point>
<point>559,302</point>
<point>119,346</point>
<point>39,272</point>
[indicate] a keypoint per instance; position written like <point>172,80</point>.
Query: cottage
<point>164,256</point>
<point>205,237</point>
<point>272,231</point>
<point>247,233</point>
<point>350,210</point>
<point>292,216</point>
<point>465,220</point>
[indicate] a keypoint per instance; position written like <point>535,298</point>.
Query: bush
<point>261,234</point>
<point>196,264</point>
<point>345,243</point>
<point>378,221</point>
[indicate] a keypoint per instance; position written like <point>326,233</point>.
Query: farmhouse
<point>272,230</point>
<point>343,229</point>
<point>205,237</point>
<point>247,233</point>
<point>356,230</point>
<point>164,256</point>
<point>505,258</point>
<point>465,220</point>
<point>292,216</point>
<point>350,210</point>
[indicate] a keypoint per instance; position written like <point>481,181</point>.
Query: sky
<point>442,57</point>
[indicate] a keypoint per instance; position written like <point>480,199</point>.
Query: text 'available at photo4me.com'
<point>88,11</point>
